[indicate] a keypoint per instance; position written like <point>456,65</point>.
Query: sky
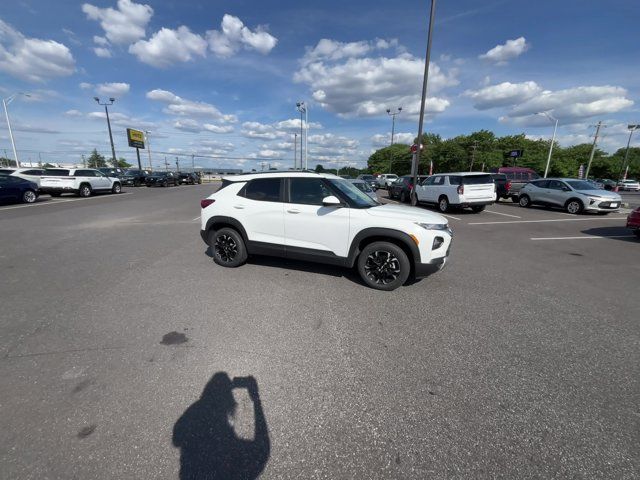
<point>220,80</point>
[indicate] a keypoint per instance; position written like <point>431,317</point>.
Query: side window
<point>32,172</point>
<point>455,180</point>
<point>428,181</point>
<point>263,189</point>
<point>437,181</point>
<point>308,191</point>
<point>511,176</point>
<point>555,185</point>
<point>541,183</point>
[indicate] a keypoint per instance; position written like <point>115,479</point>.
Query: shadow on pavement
<point>209,445</point>
<point>616,233</point>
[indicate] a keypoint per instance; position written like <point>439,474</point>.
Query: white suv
<point>326,219</point>
<point>386,179</point>
<point>462,189</point>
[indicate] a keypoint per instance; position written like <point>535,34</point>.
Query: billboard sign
<point>135,138</point>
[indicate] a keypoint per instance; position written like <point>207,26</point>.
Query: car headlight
<point>434,226</point>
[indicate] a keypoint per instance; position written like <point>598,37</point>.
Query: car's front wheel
<point>117,188</point>
<point>524,201</point>
<point>228,248</point>
<point>443,204</point>
<point>85,190</point>
<point>29,196</point>
<point>383,266</point>
<point>574,206</point>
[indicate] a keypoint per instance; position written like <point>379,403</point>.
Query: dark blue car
<point>17,189</point>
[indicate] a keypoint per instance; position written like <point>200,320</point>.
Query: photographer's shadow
<point>209,446</point>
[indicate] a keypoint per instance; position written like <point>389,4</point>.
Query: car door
<point>422,190</point>
<point>259,207</point>
<point>310,228</point>
<point>556,194</point>
<point>538,191</point>
<point>9,187</point>
<point>101,181</point>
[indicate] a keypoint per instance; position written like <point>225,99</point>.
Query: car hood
<point>601,193</point>
<point>412,214</point>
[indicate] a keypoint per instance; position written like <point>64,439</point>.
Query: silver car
<point>571,194</point>
<point>364,186</point>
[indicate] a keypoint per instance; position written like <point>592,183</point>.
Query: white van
<point>463,189</point>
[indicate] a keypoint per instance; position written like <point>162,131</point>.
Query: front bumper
<point>603,205</point>
<point>425,269</point>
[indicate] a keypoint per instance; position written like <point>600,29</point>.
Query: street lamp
<point>5,102</point>
<point>632,128</point>
<point>106,111</point>
<point>302,108</point>
<point>393,129</point>
<point>553,139</point>
<point>146,134</point>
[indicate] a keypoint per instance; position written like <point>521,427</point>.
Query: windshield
<point>357,197</point>
<point>363,186</point>
<point>366,177</point>
<point>581,185</point>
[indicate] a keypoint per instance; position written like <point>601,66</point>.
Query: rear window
<point>56,172</point>
<point>263,189</point>
<point>476,179</point>
<point>499,176</point>
<point>6,171</point>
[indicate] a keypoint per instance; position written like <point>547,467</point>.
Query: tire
<point>443,204</point>
<point>403,197</point>
<point>574,206</point>
<point>636,233</point>
<point>137,183</point>
<point>383,266</point>
<point>478,208</point>
<point>228,248</point>
<point>524,201</point>
<point>497,198</point>
<point>85,190</point>
<point>117,188</point>
<point>29,196</point>
<point>515,199</point>
<point>165,184</point>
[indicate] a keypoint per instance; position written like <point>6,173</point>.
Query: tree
<point>319,168</point>
<point>96,160</point>
<point>122,163</point>
<point>395,158</point>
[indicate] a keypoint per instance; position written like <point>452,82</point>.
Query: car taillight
<point>461,190</point>
<point>507,186</point>
<point>205,202</point>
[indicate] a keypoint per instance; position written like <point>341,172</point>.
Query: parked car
<point>81,181</point>
<point>503,185</point>
<point>31,174</point>
<point>162,179</point>
<point>17,189</point>
<point>629,185</point>
<point>370,179</point>
<point>188,178</point>
<point>403,186</point>
<point>112,172</point>
<point>571,194</point>
<point>633,221</point>
<point>322,218</point>
<point>135,178</point>
<point>606,183</point>
<point>463,189</point>
<point>386,179</point>
<point>364,187</point>
<point>518,177</point>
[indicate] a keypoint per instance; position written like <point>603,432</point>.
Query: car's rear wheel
<point>515,199</point>
<point>29,196</point>
<point>117,188</point>
<point>478,208</point>
<point>574,206</point>
<point>637,233</point>
<point>228,248</point>
<point>524,201</point>
<point>85,190</point>
<point>383,266</point>
<point>403,197</point>
<point>443,204</point>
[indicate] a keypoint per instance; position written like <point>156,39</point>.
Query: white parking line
<point>55,201</point>
<point>582,237</point>
<point>449,216</point>
<point>194,219</point>
<point>505,214</point>
<point>543,221</point>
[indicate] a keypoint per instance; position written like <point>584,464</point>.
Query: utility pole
<point>302,108</point>
<point>593,149</point>
<point>295,151</point>
<point>632,128</point>
<point>393,129</point>
<point>5,102</point>
<point>193,163</point>
<point>177,165</point>
<point>416,161</point>
<point>166,165</point>
<point>39,160</point>
<point>106,111</point>
<point>553,140</point>
<point>473,154</point>
<point>146,134</point>
<point>84,162</point>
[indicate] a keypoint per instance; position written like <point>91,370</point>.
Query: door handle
<point>293,210</point>
<point>239,207</point>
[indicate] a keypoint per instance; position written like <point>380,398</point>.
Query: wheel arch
<point>217,222</point>
<point>370,235</point>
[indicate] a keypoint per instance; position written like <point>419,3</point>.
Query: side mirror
<point>331,201</point>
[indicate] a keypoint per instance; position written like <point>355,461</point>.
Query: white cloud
<point>345,83</point>
<point>85,85</point>
<point>503,94</point>
<point>233,35</point>
<point>168,46</point>
<point>100,41</point>
<point>73,113</point>
<point>328,49</point>
<point>294,124</point>
<point>191,125</point>
<point>501,54</point>
<point>183,107</point>
<point>332,141</point>
<point>116,89</point>
<point>217,128</point>
<point>33,59</point>
<point>121,120</point>
<point>102,52</point>
<point>281,129</point>
<point>383,140</point>
<point>123,25</point>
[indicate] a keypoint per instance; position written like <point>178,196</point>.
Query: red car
<point>633,221</point>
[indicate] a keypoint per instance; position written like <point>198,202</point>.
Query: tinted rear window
<point>56,172</point>
<point>476,179</point>
<point>263,189</point>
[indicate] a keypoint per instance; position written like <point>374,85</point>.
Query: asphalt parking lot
<point>519,360</point>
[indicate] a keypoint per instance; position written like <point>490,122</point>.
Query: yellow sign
<point>135,138</point>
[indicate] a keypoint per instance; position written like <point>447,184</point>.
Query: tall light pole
<point>146,135</point>
<point>106,110</point>
<point>393,130</point>
<point>553,139</point>
<point>416,162</point>
<point>5,102</point>
<point>632,128</point>
<point>593,149</point>
<point>295,151</point>
<point>302,108</point>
